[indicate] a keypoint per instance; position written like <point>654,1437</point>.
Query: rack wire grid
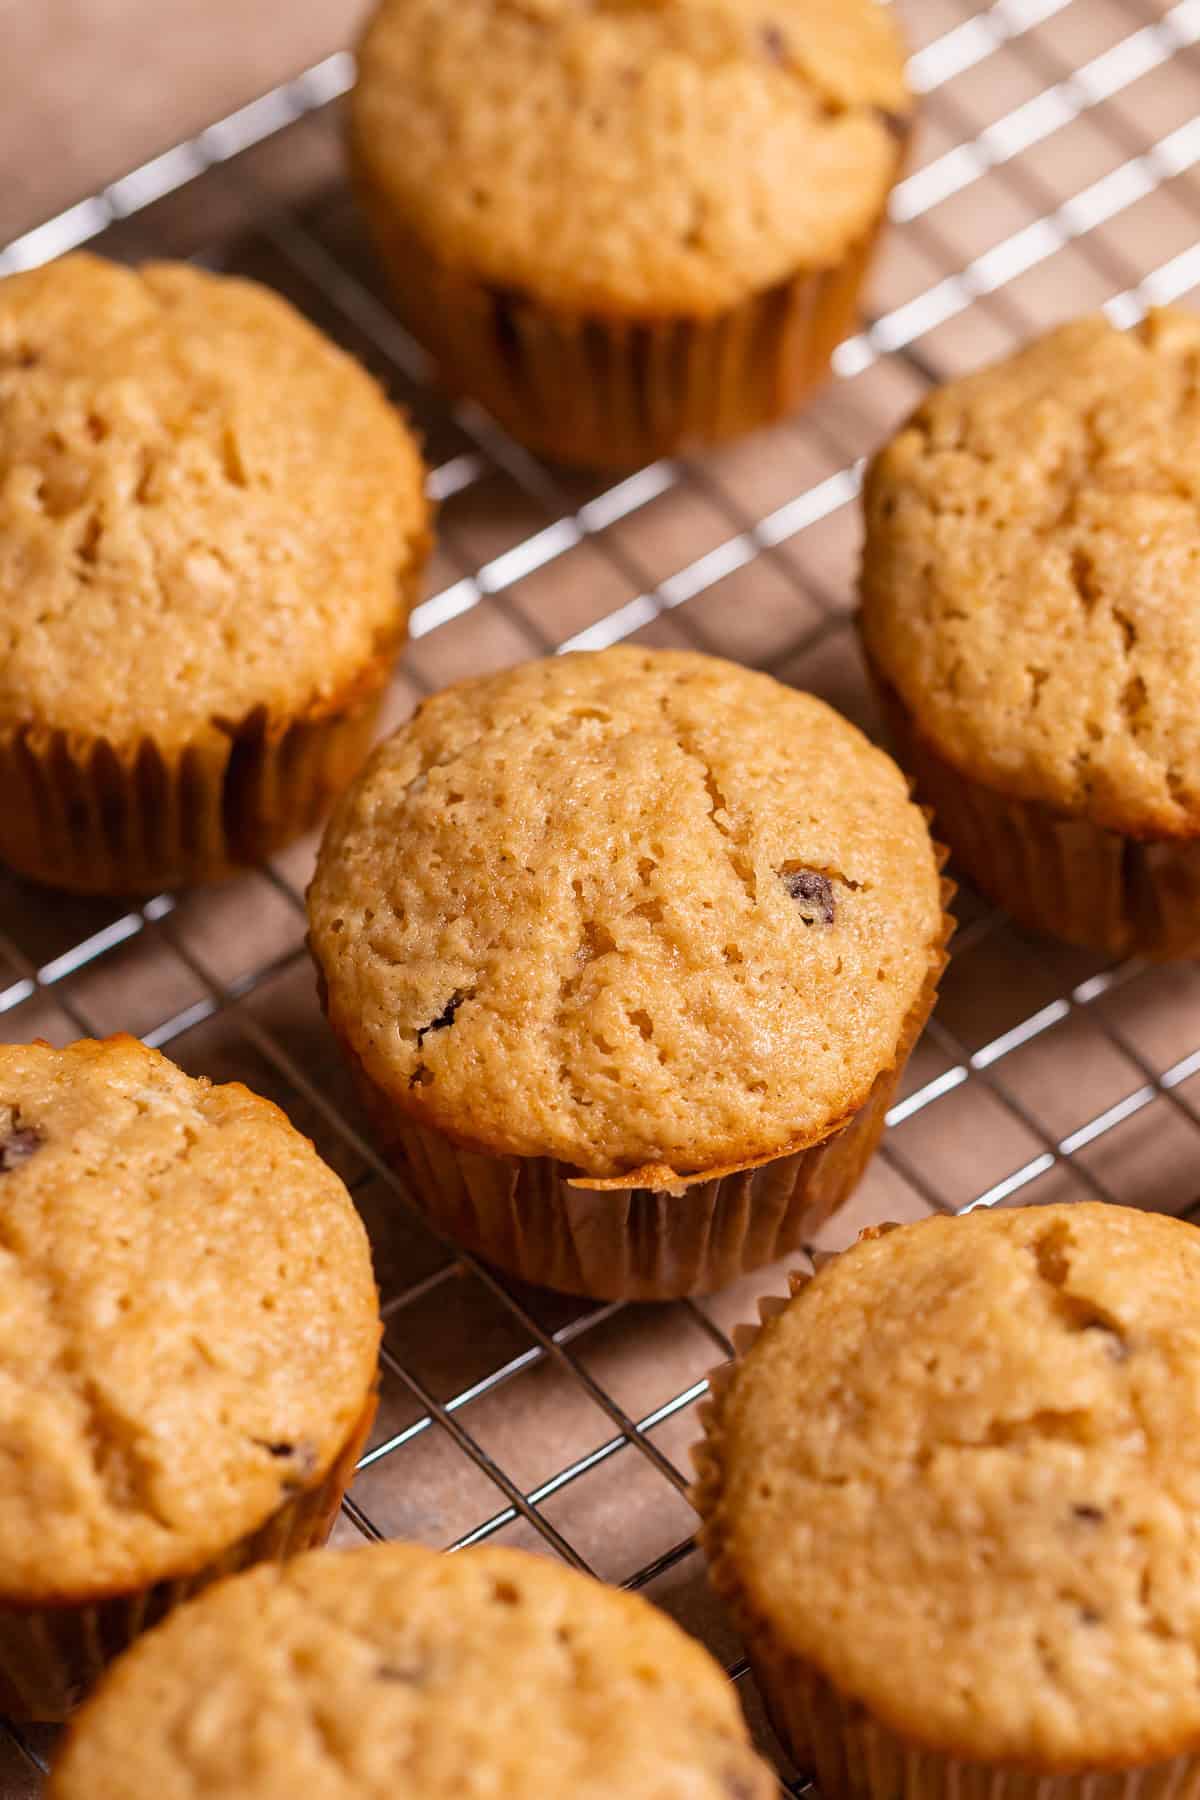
<point>1055,171</point>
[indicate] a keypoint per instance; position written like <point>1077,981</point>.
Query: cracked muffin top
<point>393,1673</point>
<point>188,1319</point>
<point>1031,579</point>
<point>635,157</point>
<point>982,1435</point>
<point>206,509</point>
<point>642,911</point>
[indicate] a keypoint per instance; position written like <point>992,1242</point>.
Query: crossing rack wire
<point>1056,171</point>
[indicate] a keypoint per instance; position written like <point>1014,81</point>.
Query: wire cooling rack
<point>1055,172</point>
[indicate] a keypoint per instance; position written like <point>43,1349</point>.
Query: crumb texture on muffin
<point>960,1475</point>
<point>1030,577</point>
<point>188,1319</point>
<point>627,908</point>
<point>207,511</point>
<point>629,156</point>
<point>393,1673</point>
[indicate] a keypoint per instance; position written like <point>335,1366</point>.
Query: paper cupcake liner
<point>51,1656</point>
<point>851,1755</point>
<point>1061,876</point>
<point>97,818</point>
<point>615,393</point>
<point>539,1220</point>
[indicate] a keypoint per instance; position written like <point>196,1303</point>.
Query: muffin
<point>952,1492</point>
<point>627,227</point>
<point>212,527</point>
<point>393,1673</point>
<point>188,1342</point>
<point>627,950</point>
<point>1030,608</point>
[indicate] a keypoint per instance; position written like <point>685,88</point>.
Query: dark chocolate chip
<point>411,1677</point>
<point>813,894</point>
<point>18,1145</point>
<point>1088,1617</point>
<point>1091,1515</point>
<point>774,43</point>
<point>444,1018</point>
<point>300,1457</point>
<point>897,125</point>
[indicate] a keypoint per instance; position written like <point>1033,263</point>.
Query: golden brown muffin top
<point>1030,581</point>
<point>393,1673</point>
<point>960,1474</point>
<point>639,157</point>
<point>642,911</point>
<point>188,1320</point>
<point>205,508</point>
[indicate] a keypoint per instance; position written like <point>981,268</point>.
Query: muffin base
<point>606,392</point>
<point>98,818</point>
<point>50,1656</point>
<point>1061,876</point>
<point>851,1755</point>
<point>855,1758</point>
<point>539,1220</point>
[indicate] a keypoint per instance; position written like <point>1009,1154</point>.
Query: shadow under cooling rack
<point>1055,171</point>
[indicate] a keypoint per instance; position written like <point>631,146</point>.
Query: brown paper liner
<point>84,814</point>
<point>852,1755</point>
<point>51,1656</point>
<point>1061,876</point>
<point>616,393</point>
<point>538,1219</point>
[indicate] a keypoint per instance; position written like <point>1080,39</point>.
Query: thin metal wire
<point>990,158</point>
<point>28,1753</point>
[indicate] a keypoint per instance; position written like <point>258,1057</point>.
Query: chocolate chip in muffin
<point>1088,1515</point>
<point>301,1459</point>
<point>17,1142</point>
<point>813,894</point>
<point>444,1018</point>
<point>410,1677</point>
<point>894,123</point>
<point>774,43</point>
<point>738,1787</point>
